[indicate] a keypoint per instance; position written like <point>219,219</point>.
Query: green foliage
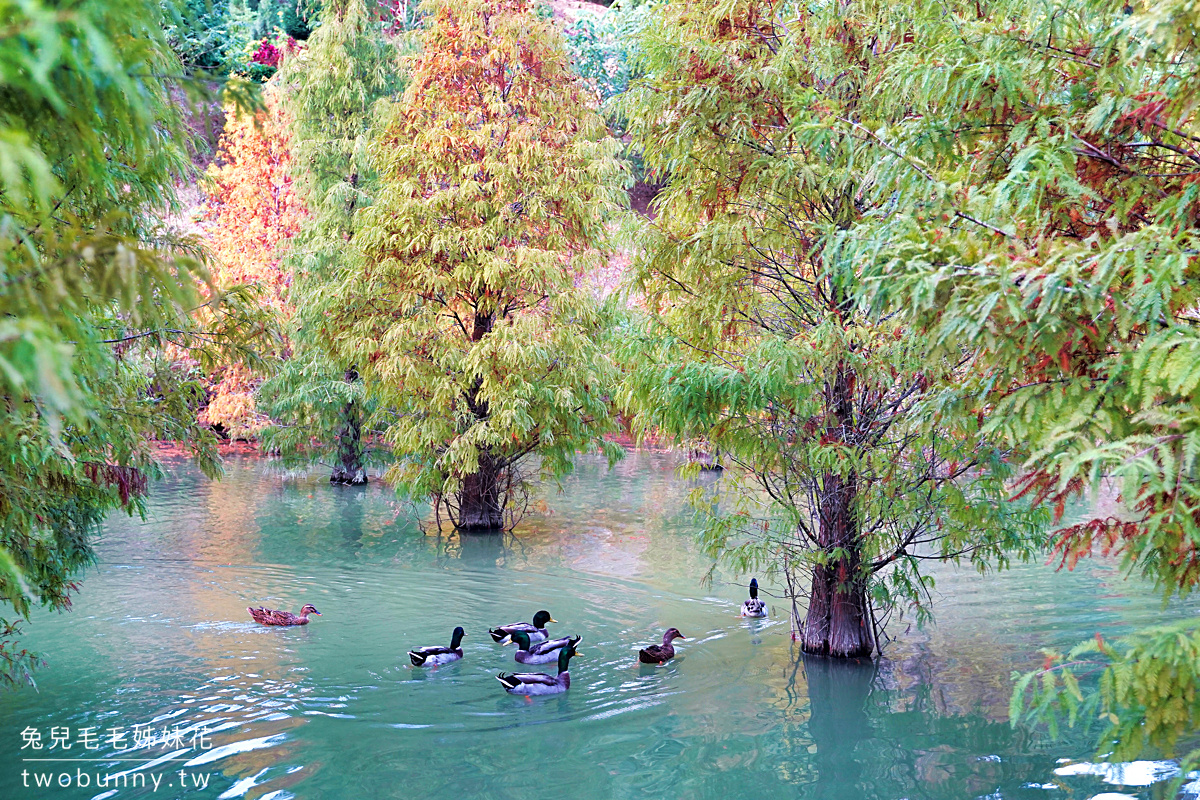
<point>847,449</point>
<point>1035,187</point>
<point>599,47</point>
<point>205,34</point>
<point>1144,700</point>
<point>331,91</point>
<point>464,318</point>
<point>91,287</point>
<point>296,18</point>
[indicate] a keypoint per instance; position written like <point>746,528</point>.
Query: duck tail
<point>497,634</point>
<point>417,659</point>
<point>508,681</point>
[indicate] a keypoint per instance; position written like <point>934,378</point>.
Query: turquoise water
<point>159,636</point>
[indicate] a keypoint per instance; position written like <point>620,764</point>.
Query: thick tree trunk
<point>349,469</point>
<point>480,506</point>
<point>839,622</point>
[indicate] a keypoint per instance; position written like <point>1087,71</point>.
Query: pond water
<point>160,639</point>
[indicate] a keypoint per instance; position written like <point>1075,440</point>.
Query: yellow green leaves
<point>497,181</point>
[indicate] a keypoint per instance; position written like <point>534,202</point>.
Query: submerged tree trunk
<point>480,504</point>
<point>838,622</point>
<point>349,469</point>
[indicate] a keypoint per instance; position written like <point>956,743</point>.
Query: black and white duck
<point>536,629</point>
<point>536,683</point>
<point>439,654</point>
<point>540,653</point>
<point>754,607</point>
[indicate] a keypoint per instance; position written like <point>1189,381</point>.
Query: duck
<point>439,654</point>
<point>661,653</point>
<point>531,683</point>
<point>754,607</point>
<point>269,616</point>
<point>536,629</point>
<point>540,653</point>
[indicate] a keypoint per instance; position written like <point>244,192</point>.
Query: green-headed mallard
<point>536,630</point>
<point>659,653</point>
<point>754,607</point>
<point>268,616</point>
<point>439,654</point>
<point>540,653</point>
<point>529,683</point>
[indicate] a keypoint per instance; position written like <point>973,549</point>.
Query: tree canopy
<point>496,181</point>
<point>94,288</point>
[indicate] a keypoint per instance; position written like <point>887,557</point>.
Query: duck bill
<point>507,640</point>
<point>552,619</point>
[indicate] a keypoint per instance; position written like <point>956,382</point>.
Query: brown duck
<point>660,653</point>
<point>268,616</point>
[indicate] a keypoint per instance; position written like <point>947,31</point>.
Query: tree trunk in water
<point>839,622</point>
<point>349,470</point>
<point>480,507</point>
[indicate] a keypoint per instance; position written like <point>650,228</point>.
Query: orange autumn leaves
<point>251,212</point>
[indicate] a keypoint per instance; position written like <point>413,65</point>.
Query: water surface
<point>160,637</point>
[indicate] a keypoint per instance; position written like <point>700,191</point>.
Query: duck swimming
<point>536,630</point>
<point>540,653</point>
<point>531,683</point>
<point>268,616</point>
<point>754,607</point>
<point>439,654</point>
<point>661,653</point>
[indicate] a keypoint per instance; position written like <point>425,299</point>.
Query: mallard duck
<point>660,653</point>
<point>754,607</point>
<point>536,630</point>
<point>540,653</point>
<point>269,616</point>
<point>528,683</point>
<point>439,654</point>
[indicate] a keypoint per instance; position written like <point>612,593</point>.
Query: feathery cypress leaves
<point>496,180</point>
<point>330,91</point>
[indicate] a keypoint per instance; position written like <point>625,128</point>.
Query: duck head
<point>309,609</point>
<point>754,588</point>
<point>672,634</point>
<point>565,655</point>
<point>520,638</point>
<point>541,618</point>
<point>457,637</point>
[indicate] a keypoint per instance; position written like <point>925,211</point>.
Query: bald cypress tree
<point>496,179</point>
<point>330,93</point>
<point>845,470</point>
